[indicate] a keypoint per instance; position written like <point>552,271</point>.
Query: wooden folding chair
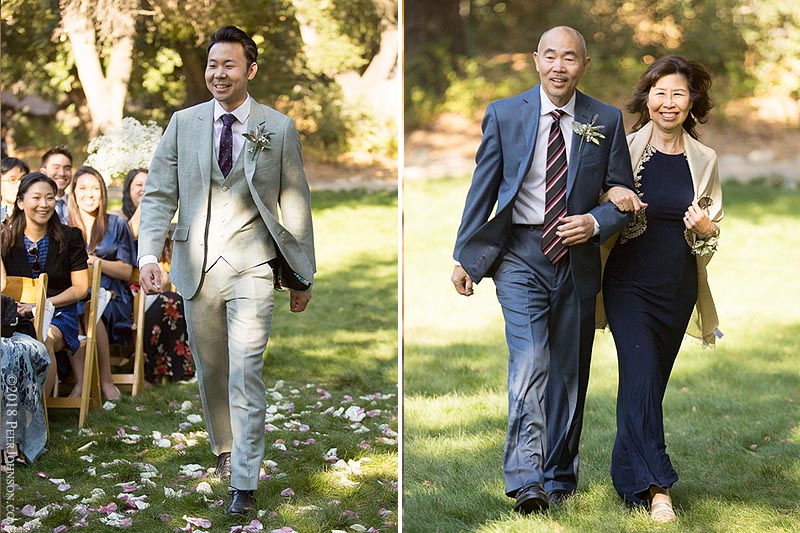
<point>30,291</point>
<point>135,379</point>
<point>90,395</point>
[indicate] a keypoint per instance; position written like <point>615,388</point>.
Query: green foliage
<point>169,62</point>
<point>750,46</point>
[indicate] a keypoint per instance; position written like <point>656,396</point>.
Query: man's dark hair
<point>232,34</point>
<point>9,163</point>
<point>61,149</point>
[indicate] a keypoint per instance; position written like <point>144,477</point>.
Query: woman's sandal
<point>662,512</point>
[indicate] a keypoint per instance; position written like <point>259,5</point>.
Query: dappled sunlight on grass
<point>332,392</point>
<point>731,413</point>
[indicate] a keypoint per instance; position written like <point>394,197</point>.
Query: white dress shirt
<point>529,207</point>
<point>239,128</point>
<point>242,113</point>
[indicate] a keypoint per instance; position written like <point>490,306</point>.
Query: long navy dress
<point>650,289</point>
<point>117,245</point>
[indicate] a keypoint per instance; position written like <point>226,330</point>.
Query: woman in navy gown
<point>655,284</point>
<point>108,239</point>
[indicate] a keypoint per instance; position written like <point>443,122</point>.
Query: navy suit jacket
<point>503,160</point>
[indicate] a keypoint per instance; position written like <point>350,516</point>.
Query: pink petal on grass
<point>63,487</point>
<point>107,509</point>
<point>29,510</point>
<point>60,529</point>
<point>199,522</point>
<point>287,493</point>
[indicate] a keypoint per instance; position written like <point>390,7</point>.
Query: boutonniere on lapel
<point>261,139</point>
<point>589,132</point>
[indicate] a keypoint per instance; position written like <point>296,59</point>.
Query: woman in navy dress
<point>108,239</point>
<point>655,277</point>
<point>35,241</point>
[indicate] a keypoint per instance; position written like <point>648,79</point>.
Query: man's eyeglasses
<point>37,260</point>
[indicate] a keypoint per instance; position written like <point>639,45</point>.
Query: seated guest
<point>24,365</point>
<point>57,163</point>
<point>108,239</point>
<point>166,342</point>
<point>12,171</point>
<point>35,241</point>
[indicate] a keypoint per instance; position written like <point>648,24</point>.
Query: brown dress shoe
<point>223,469</point>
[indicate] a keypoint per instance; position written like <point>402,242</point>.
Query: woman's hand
<point>625,199</point>
<point>696,220</point>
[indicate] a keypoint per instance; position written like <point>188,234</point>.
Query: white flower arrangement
<point>128,146</point>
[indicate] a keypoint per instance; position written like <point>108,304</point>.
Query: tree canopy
<point>100,60</point>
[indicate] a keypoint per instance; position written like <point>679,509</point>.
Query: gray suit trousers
<point>229,321</point>
<point>549,332</point>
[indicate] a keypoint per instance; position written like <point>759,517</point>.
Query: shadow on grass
<point>731,421</point>
<point>347,338</point>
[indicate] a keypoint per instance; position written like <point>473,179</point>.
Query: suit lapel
<point>255,119</point>
<point>582,115</point>
<point>529,113</point>
<point>205,152</point>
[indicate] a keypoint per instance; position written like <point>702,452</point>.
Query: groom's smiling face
<point>227,74</point>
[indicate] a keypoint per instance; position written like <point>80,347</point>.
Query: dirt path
<point>745,153</point>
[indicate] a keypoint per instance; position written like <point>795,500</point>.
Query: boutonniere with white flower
<point>261,139</point>
<point>589,132</point>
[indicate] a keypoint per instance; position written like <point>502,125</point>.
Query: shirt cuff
<point>596,225</point>
<point>147,260</point>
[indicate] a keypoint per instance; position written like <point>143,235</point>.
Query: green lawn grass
<point>331,375</point>
<point>732,413</point>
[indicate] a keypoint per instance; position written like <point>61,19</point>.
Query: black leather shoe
<point>223,469</point>
<point>532,499</point>
<point>559,497</point>
<point>242,502</point>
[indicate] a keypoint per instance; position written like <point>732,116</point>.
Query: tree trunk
<point>105,93</point>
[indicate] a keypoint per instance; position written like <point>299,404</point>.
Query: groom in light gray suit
<point>244,202</point>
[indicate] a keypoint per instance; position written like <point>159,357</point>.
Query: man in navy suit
<point>542,250</point>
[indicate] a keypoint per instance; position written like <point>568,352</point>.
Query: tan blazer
<point>705,176</point>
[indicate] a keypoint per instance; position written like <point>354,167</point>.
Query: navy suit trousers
<point>549,332</point>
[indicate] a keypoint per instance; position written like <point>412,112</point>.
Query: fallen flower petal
<point>287,493</point>
<point>199,522</point>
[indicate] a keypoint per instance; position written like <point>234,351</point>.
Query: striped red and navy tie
<point>555,190</point>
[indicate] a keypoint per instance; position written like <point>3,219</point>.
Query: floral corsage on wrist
<point>706,245</point>
<point>261,139</point>
<point>589,132</point>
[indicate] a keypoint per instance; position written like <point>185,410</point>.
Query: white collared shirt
<point>242,113</point>
<point>529,207</point>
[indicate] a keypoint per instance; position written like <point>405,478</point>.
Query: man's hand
<point>462,281</point>
<point>298,301</point>
<point>150,278</point>
<point>575,229</point>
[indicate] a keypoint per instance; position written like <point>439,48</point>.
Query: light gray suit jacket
<point>180,176</point>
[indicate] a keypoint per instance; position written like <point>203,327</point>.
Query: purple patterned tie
<point>555,204</point>
<point>226,144</point>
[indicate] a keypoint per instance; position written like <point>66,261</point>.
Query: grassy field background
<point>331,448</point>
<point>732,413</point>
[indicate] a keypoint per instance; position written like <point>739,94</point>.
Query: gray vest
<point>236,231</point>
